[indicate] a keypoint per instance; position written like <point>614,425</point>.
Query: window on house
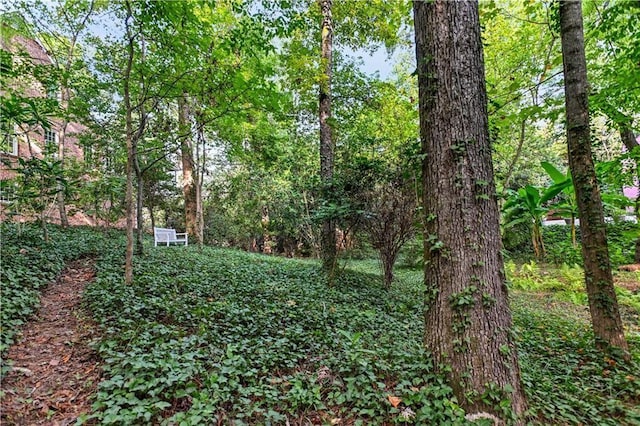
<point>7,192</point>
<point>9,142</point>
<point>50,142</point>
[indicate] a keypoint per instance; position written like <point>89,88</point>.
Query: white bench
<point>168,236</point>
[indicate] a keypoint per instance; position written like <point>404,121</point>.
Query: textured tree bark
<point>328,240</point>
<point>189,172</point>
<point>603,304</point>
<point>129,202</point>
<point>468,322</point>
<point>64,101</point>
<point>266,237</point>
<point>628,137</point>
<point>152,216</point>
<point>516,156</point>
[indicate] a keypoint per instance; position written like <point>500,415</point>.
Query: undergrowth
<point>219,336</point>
<point>28,263</point>
<point>566,283</point>
<point>225,335</point>
<point>246,339</point>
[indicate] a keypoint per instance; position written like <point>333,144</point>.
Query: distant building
<point>21,139</point>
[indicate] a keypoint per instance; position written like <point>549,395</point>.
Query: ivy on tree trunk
<point>603,304</point>
<point>328,241</point>
<point>467,317</point>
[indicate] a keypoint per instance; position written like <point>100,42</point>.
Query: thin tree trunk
<point>603,304</point>
<point>139,174</point>
<point>467,318</point>
<point>328,240</point>
<point>129,202</point>
<point>201,162</point>
<point>266,238</point>
<point>139,250</point>
<point>152,216</point>
<point>65,93</point>
<point>189,171</point>
<point>64,220</point>
<point>388,260</point>
<point>516,157</point>
<point>43,225</point>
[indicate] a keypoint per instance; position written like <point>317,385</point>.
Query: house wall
<point>31,139</point>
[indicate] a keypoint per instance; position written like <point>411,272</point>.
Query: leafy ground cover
<point>29,263</point>
<point>218,335</point>
<point>226,335</point>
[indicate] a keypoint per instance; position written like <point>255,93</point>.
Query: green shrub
<point>559,248</point>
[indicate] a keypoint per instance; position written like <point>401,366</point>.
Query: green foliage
<point>565,283</point>
<point>29,263</point>
<point>223,336</point>
<point>37,182</point>
<point>567,381</point>
<point>531,277</point>
<point>234,337</point>
<point>254,339</point>
<point>621,238</point>
<point>559,249</point>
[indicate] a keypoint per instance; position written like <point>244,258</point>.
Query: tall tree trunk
<point>129,202</point>
<point>189,171</point>
<point>467,318</point>
<point>201,164</point>
<point>328,240</point>
<point>516,156</point>
<point>603,304</point>
<point>65,95</point>
<point>139,174</point>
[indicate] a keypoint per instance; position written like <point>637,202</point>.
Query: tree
<point>389,221</point>
<point>524,100</point>
<point>59,28</point>
<point>468,322</point>
<point>329,254</point>
<point>131,143</point>
<point>603,304</point>
<point>190,179</point>
<point>613,70</point>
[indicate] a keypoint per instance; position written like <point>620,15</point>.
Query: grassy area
<point>248,339</point>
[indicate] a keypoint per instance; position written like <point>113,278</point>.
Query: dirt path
<point>54,370</point>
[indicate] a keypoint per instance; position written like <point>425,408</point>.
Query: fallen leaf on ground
<point>394,400</point>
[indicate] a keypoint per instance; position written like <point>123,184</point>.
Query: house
<point>27,88</point>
